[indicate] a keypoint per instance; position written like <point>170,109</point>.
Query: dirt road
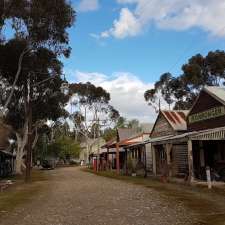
<point>73,197</point>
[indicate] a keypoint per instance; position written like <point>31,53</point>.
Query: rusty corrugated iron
<point>177,119</point>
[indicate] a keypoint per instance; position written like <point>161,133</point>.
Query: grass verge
<point>207,205</point>
<point>21,192</point>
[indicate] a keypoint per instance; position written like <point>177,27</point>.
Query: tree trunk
<point>21,143</point>
<point>19,68</point>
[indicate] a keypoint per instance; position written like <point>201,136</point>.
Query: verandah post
<point>154,159</point>
<point>168,151</point>
<point>117,159</point>
<point>190,162</point>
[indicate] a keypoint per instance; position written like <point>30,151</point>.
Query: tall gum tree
<point>40,37</point>
<point>92,110</point>
<point>181,91</point>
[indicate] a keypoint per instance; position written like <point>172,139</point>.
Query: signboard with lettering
<point>208,114</point>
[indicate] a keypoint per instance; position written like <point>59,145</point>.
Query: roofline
<point>171,122</point>
<point>161,111</point>
<point>213,95</point>
<point>209,93</point>
<point>137,136</point>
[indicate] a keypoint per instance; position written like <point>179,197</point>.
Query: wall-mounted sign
<point>208,114</point>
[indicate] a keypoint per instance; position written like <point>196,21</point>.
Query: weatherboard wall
<point>204,106</point>
<point>162,127</point>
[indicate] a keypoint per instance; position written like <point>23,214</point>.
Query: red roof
<point>177,119</point>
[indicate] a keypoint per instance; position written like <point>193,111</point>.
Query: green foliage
<point>40,36</point>
<point>130,165</point>
<point>122,122</point>
<point>89,93</point>
<point>38,66</point>
<point>109,134</point>
<point>92,110</point>
<point>183,90</point>
<point>134,124</point>
<point>39,22</point>
<point>64,147</point>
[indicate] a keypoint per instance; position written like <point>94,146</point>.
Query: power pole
<point>98,151</point>
<point>117,159</point>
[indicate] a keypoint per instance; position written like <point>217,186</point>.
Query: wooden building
<point>138,154</point>
<point>114,150</point>
<point>169,159</point>
<point>200,146</point>
<point>206,124</point>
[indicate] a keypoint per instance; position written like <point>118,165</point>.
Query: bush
<point>64,148</point>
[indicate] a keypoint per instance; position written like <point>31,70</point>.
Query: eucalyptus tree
<point>181,91</point>
<point>47,101</point>
<point>29,57</point>
<point>40,24</point>
<point>92,110</point>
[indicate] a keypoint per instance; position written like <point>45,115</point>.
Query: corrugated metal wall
<point>149,161</point>
<point>180,159</point>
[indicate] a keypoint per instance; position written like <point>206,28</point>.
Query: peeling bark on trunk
<point>19,68</point>
<point>35,138</point>
<point>21,143</point>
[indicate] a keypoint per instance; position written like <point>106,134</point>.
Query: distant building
<point>167,158</point>
<point>90,149</point>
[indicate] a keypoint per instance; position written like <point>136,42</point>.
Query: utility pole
<point>98,151</point>
<point>117,159</point>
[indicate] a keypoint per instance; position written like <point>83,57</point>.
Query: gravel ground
<point>73,197</point>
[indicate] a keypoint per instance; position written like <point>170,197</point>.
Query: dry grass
<point>21,192</point>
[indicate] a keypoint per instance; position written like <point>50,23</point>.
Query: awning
<point>110,151</point>
<point>113,150</point>
<point>207,135</point>
<point>211,134</point>
<point>135,145</point>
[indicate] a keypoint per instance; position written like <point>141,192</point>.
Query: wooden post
<point>208,176</point>
<point>168,151</point>
<point>126,158</point>
<point>202,154</point>
<point>145,159</point>
<point>117,159</point>
<point>190,162</point>
<point>154,160</point>
<point>107,159</point>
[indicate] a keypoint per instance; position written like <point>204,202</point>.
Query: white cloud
<point>88,5</point>
<point>169,14</point>
<point>127,25</point>
<point>127,93</point>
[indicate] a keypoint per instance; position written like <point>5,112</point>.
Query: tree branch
<point>19,68</point>
<point>35,138</point>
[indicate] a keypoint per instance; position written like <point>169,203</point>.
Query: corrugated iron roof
<point>177,119</point>
<point>217,92</point>
<point>109,143</point>
<point>125,133</point>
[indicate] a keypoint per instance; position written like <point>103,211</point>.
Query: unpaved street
<point>73,197</point>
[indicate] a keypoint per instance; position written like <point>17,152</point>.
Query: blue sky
<point>147,54</point>
<point>125,45</point>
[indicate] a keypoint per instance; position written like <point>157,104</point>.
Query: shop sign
<point>208,114</point>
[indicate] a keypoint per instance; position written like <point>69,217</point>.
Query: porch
<point>189,155</point>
